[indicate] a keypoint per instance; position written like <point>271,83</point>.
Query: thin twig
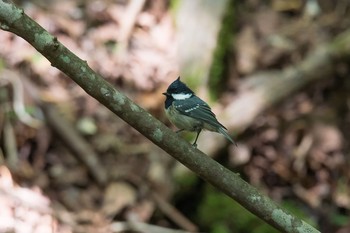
<point>82,150</point>
<point>8,77</point>
<point>169,210</point>
<point>141,227</point>
<point>174,214</point>
<point>130,16</point>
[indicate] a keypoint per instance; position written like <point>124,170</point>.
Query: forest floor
<point>295,152</point>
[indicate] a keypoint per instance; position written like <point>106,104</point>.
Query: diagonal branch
<point>14,20</point>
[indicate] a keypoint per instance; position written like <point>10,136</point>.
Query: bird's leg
<point>180,130</point>
<point>195,141</point>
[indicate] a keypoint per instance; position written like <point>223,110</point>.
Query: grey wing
<point>196,108</point>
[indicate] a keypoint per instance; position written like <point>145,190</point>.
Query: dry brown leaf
<point>328,138</point>
<point>117,196</point>
<point>247,50</point>
<point>239,155</point>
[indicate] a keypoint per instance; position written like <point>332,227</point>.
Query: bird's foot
<point>194,145</point>
<point>178,131</point>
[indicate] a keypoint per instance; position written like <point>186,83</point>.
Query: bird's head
<point>177,90</point>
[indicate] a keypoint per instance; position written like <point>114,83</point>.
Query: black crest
<point>178,87</point>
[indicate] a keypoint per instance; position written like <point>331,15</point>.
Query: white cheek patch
<point>181,96</point>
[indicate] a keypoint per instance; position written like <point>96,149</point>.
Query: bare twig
<point>7,76</point>
<point>173,213</point>
<point>130,15</point>
<point>141,227</point>
<point>82,150</point>
<point>10,144</point>
<point>169,210</point>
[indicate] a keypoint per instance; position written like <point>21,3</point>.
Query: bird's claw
<point>178,131</point>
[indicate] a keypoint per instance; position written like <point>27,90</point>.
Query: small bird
<point>188,112</point>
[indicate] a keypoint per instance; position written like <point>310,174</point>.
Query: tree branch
<point>14,20</point>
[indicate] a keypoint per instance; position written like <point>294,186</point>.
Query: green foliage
<point>220,214</point>
<point>174,6</point>
<point>186,181</point>
<point>224,42</point>
<point>219,228</point>
<point>339,219</point>
<point>2,64</point>
<point>193,81</point>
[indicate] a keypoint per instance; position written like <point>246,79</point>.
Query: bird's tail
<point>226,135</point>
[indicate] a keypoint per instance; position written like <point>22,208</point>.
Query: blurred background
<point>274,72</point>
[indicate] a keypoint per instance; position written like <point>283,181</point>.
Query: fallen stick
<point>262,90</point>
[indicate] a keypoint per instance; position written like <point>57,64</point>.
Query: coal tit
<point>188,112</point>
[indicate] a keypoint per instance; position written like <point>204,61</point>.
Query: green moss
<point>194,81</point>
<point>225,38</point>
<point>158,135</point>
<point>10,13</point>
<point>218,213</point>
<point>83,69</point>
<point>119,98</point>
<point>2,64</point>
<point>65,59</point>
<point>219,228</point>
<point>44,39</point>
<point>186,181</point>
<point>104,91</point>
<point>297,210</point>
<point>340,220</point>
<point>279,216</point>
<point>174,6</point>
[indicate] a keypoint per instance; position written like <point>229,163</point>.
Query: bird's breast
<point>182,121</point>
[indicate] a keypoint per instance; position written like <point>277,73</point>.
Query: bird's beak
<point>164,93</point>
